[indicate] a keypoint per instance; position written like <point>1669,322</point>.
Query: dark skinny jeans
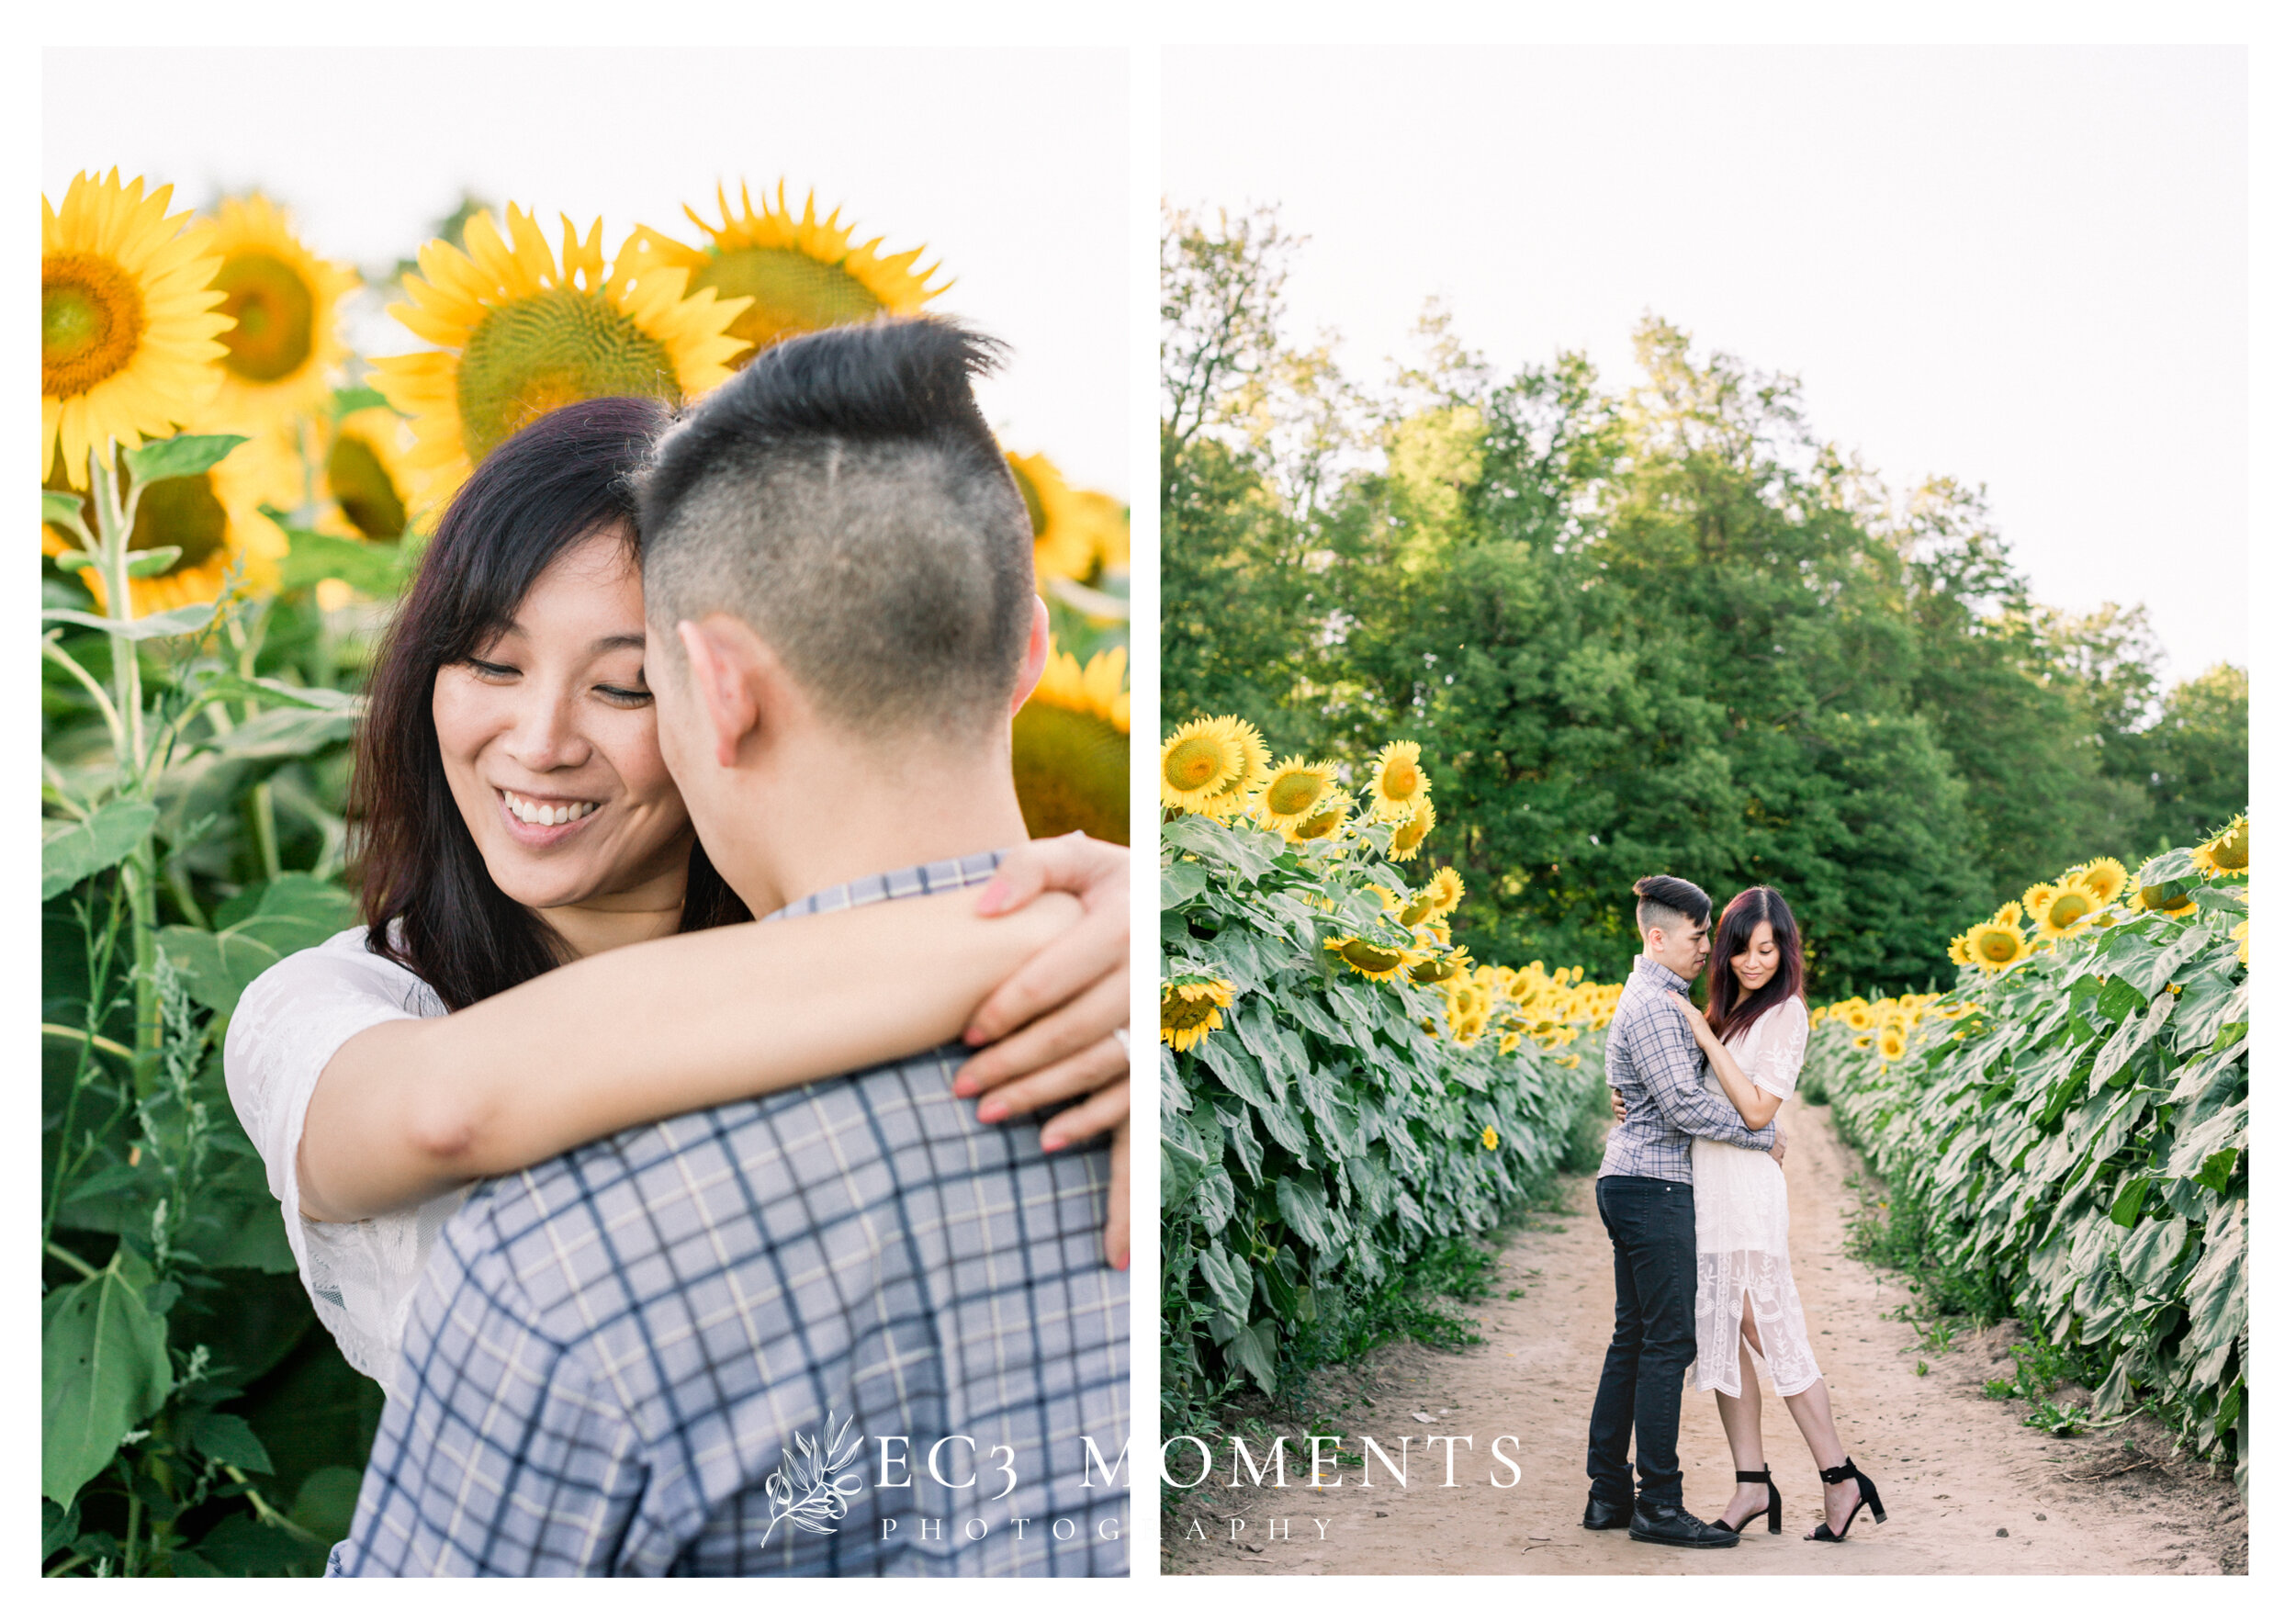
<point>1653,1228</point>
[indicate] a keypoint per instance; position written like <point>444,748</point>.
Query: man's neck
<point>825,822</point>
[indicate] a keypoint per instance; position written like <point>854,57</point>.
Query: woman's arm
<point>1754,1105</point>
<point>411,1108</point>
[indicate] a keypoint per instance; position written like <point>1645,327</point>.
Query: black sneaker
<point>1670,1524</point>
<point>1604,1515</point>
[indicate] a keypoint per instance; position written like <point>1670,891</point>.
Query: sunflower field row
<point>1342,1087</point>
<point>2070,1126</point>
<point>231,500</point>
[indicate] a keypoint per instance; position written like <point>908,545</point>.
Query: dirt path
<point>1969,1489</point>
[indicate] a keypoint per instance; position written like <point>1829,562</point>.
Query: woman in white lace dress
<point>543,960</point>
<point>1753,1033</point>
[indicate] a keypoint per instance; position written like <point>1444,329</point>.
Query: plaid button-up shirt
<point>1655,1066</point>
<point>729,1343</point>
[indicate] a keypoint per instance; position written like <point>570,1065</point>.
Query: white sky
<point>2022,266</point>
<point>1009,165</point>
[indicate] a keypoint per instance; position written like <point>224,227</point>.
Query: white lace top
<point>289,1022</point>
<point>1739,1196</point>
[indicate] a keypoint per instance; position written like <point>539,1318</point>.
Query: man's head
<point>837,560</point>
<point>1672,916</point>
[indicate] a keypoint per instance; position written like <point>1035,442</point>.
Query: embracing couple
<point>1693,1195</point>
<point>628,1142</point>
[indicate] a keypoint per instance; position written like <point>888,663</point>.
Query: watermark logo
<point>811,1488</point>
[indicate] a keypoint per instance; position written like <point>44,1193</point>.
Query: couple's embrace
<point>1692,1193</point>
<point>628,1143</point>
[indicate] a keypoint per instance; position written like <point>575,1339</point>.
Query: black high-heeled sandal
<point>1867,1498</point>
<point>1777,1504</point>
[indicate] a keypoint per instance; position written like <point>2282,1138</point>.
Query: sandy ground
<point>1969,1489</point>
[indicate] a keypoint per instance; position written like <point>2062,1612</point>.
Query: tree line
<point>1666,626</point>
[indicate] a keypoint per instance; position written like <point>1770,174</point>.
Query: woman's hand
<point>1617,1105</point>
<point>1048,1033</point>
<point>1700,1030</point>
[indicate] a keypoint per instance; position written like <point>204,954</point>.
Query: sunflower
<point>1958,950</point>
<point>1321,822</point>
<point>1893,1042</point>
<point>1490,1137</point>
<point>1858,1017</point>
<point>128,320</point>
<point>1294,791</point>
<point>281,300</point>
<point>2240,933</point>
<point>1197,761</point>
<point>1994,945</point>
<point>2225,855</point>
<point>1447,889</point>
<point>799,274</point>
<point>2011,914</point>
<point>2104,878</point>
<point>215,518</point>
<point>2155,898</point>
<point>1398,782</point>
<point>1230,794</point>
<point>2062,909</point>
<point>1369,958</point>
<point>366,476</point>
<point>1415,909</point>
<point>1190,1010</point>
<point>1412,832</point>
<point>1433,968</point>
<point>1070,763</point>
<point>522,333</point>
<point>1066,542</point>
<point>1110,525</point>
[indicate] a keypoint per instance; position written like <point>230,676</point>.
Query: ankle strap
<point>1762,1475</point>
<point>1845,1471</point>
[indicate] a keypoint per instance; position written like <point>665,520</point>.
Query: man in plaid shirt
<point>847,1329</point>
<point>1643,1194</point>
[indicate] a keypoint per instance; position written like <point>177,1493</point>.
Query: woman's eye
<point>492,671</point>
<point>625,696</point>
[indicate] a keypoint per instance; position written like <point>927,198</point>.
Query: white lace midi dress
<point>1740,1199</point>
<point>288,1023</point>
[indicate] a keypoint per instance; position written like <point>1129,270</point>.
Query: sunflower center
<point>1997,946</point>
<point>90,318</point>
<point>271,310</point>
<point>1183,1013</point>
<point>1364,954</point>
<point>360,487</point>
<point>527,358</point>
<point>175,511</point>
<point>1408,835</point>
<point>1293,793</point>
<point>1318,824</point>
<point>2068,909</point>
<point>1193,763</point>
<point>1416,909</point>
<point>789,292</point>
<point>1400,780</point>
<point>2232,851</point>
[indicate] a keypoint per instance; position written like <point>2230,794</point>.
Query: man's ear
<point>1040,650</point>
<point>721,681</point>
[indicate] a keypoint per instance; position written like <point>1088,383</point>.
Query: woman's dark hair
<point>1730,1008</point>
<point>556,482</point>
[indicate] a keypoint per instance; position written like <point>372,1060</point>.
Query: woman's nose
<point>545,739</point>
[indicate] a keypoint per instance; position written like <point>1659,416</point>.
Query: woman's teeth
<point>545,816</point>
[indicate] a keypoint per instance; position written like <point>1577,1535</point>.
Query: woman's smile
<point>544,821</point>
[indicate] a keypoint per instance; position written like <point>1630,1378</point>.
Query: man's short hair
<point>843,497</point>
<point>1661,902</point>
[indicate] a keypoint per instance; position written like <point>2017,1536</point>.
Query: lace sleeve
<point>1779,1043</point>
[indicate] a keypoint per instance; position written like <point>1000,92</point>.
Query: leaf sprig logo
<point>810,1489</point>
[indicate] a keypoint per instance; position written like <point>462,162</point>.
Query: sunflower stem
<point>114,523</point>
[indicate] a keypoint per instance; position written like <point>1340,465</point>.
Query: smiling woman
<point>514,991</point>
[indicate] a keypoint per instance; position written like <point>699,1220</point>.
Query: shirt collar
<point>1659,973</point>
<point>901,884</point>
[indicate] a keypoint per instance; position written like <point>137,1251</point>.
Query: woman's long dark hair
<point>556,482</point>
<point>1730,1008</point>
